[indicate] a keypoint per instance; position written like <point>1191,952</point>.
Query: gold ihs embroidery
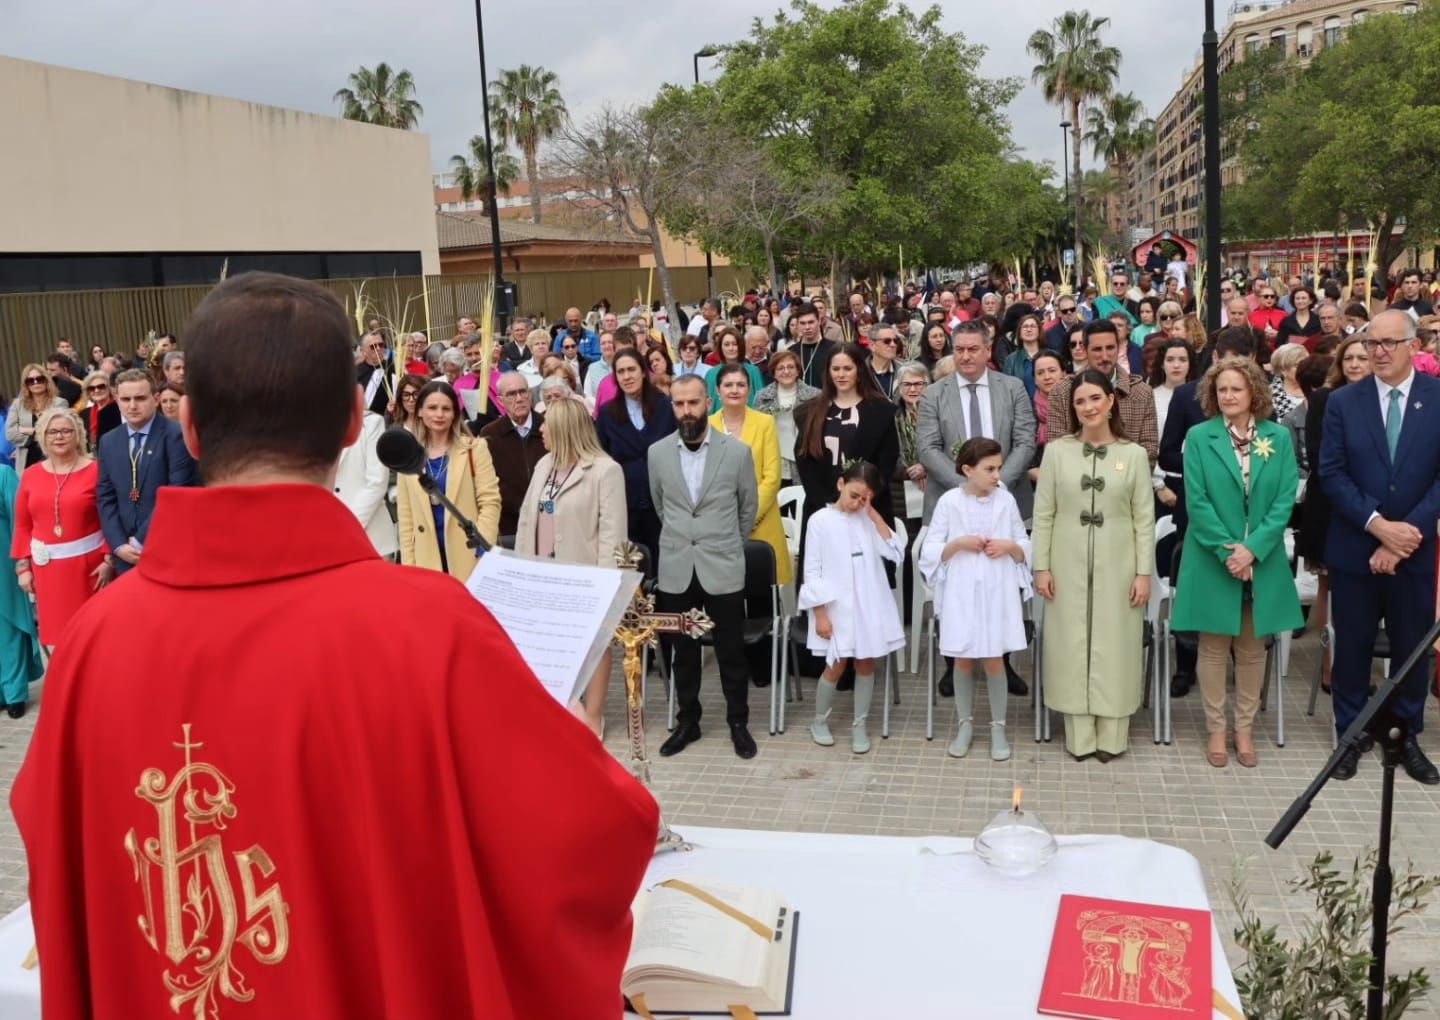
<point>197,899</point>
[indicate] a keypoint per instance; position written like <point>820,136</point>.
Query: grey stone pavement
<point>908,786</point>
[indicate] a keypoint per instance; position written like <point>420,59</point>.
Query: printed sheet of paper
<point>559,616</point>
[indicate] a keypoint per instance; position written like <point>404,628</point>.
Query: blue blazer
<point>630,447</point>
<point>1360,478</point>
<point>163,461</point>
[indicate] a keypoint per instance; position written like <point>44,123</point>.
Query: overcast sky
<point>296,53</point>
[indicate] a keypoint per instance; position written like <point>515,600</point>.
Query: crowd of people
<point>1024,439</point>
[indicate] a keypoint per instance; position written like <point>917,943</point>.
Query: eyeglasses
<point>1075,345</point>
<point>1267,297</point>
<point>1389,345</point>
<point>568,347</point>
<point>888,341</point>
<point>1168,318</point>
<point>374,347</point>
<point>53,433</point>
<point>512,394</point>
<point>407,396</point>
<point>1069,311</point>
<point>97,388</point>
<point>35,380</point>
<point>917,383</point>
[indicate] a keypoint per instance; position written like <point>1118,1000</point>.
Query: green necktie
<point>1392,424</point>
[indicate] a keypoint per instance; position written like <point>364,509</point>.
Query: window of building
<point>1252,44</point>
<point>1305,39</point>
<point>1277,39</point>
<point>1409,8</point>
<point>1359,16</point>
<point>1332,31</point>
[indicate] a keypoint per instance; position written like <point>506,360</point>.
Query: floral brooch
<point>1264,448</point>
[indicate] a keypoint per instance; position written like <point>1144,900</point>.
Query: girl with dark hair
<point>405,409</point>
<point>934,345</point>
<point>1302,322</point>
<point>627,426</point>
<point>1094,544</point>
<point>851,420</point>
<point>974,557</point>
<point>1029,341</point>
<point>1175,365</point>
<point>852,616</point>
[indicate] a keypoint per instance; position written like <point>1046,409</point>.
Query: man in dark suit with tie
<point>1380,466</point>
<point>148,451</point>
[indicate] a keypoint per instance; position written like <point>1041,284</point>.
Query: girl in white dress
<point>852,612</point>
<point>974,557</point>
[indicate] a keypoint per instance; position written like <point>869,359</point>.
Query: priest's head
<point>271,392</point>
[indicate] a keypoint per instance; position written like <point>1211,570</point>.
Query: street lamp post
<point>502,294</point>
<point>1065,161</point>
<point>1213,264</point>
<point>704,51</point>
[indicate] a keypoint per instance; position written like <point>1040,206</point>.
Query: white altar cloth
<point>890,929</point>
<point>917,928</point>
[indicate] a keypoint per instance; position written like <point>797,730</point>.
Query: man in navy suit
<point>135,460</point>
<point>1380,466</point>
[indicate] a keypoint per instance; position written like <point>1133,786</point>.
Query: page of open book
<point>675,930</point>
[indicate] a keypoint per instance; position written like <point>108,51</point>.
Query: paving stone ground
<point>908,786</point>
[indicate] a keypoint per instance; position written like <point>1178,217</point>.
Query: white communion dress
<point>845,573</point>
<point>979,601</point>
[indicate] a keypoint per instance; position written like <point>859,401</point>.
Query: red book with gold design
<point>1112,960</point>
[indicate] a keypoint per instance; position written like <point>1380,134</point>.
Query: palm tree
<point>472,175</point>
<point>1118,132</point>
<point>1073,69</point>
<point>381,97</point>
<point>526,108</point>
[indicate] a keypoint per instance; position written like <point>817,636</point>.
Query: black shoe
<point>741,738</point>
<point>1349,762</point>
<point>1367,743</point>
<point>15,709</point>
<point>1180,684</point>
<point>1416,765</point>
<point>1015,683</point>
<point>760,679</point>
<point>946,687</point>
<point>685,734</point>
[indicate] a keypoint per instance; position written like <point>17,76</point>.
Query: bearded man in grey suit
<point>977,401</point>
<point>702,483</point>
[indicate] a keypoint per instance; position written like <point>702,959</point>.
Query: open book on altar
<point>1112,960</point>
<point>700,947</point>
<point>560,616</point>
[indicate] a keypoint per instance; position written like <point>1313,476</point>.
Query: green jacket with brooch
<point>1207,598</point>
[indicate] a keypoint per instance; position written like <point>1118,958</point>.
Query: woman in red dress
<point>59,549</point>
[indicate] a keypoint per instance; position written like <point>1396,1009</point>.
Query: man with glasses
<point>884,352</point>
<point>1379,464</point>
<point>1329,337</point>
<point>1266,319</point>
<point>515,350</point>
<point>1067,311</point>
<point>1115,300</point>
<point>515,446</point>
<point>374,373</point>
<point>135,461</point>
<point>977,402</point>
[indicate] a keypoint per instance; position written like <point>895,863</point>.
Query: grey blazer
<point>942,423</point>
<point>706,538</point>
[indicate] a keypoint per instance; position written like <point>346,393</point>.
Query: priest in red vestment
<point>258,790</point>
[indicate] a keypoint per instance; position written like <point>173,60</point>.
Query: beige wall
<point>101,164</point>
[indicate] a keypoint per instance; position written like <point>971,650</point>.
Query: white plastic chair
<point>1157,615</point>
<point>791,499</point>
<point>921,595</point>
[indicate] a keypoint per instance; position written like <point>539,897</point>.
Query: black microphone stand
<point>473,538</point>
<point>1378,722</point>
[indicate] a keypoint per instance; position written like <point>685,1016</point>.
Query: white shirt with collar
<point>982,394</point>
<point>1384,391</point>
<point>372,387</point>
<point>692,464</point>
<point>524,430</point>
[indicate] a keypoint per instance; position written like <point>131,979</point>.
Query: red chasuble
<point>277,777</point>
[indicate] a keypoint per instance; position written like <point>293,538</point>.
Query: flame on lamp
<point>1015,800</point>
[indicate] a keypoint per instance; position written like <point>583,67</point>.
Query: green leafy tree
<point>1355,135</point>
<point>1119,132</point>
<point>1074,68</point>
<point>382,97</point>
<point>882,100</point>
<point>472,175</point>
<point>526,108</point>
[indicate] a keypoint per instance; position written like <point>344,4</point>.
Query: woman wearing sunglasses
<point>101,413</point>
<point>37,395</point>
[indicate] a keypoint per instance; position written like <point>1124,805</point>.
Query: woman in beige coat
<point>461,466</point>
<point>574,511</point>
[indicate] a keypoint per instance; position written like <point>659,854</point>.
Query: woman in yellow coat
<point>757,431</point>
<point>462,468</point>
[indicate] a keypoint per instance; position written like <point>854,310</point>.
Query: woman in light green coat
<point>1094,547</point>
<point>1235,587</point>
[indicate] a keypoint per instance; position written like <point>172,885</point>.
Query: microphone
<point>402,453</point>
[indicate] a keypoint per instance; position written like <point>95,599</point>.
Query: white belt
<point>42,553</point>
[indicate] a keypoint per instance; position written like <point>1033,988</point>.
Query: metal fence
<point>117,320</point>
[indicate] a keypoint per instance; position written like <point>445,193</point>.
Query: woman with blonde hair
<point>101,413</point>
<point>58,547</point>
<point>574,511</point>
<point>460,466</point>
<point>37,395</point>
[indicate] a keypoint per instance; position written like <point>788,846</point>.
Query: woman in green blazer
<point>1235,587</point>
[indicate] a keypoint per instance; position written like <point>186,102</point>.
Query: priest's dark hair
<point>270,376</point>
